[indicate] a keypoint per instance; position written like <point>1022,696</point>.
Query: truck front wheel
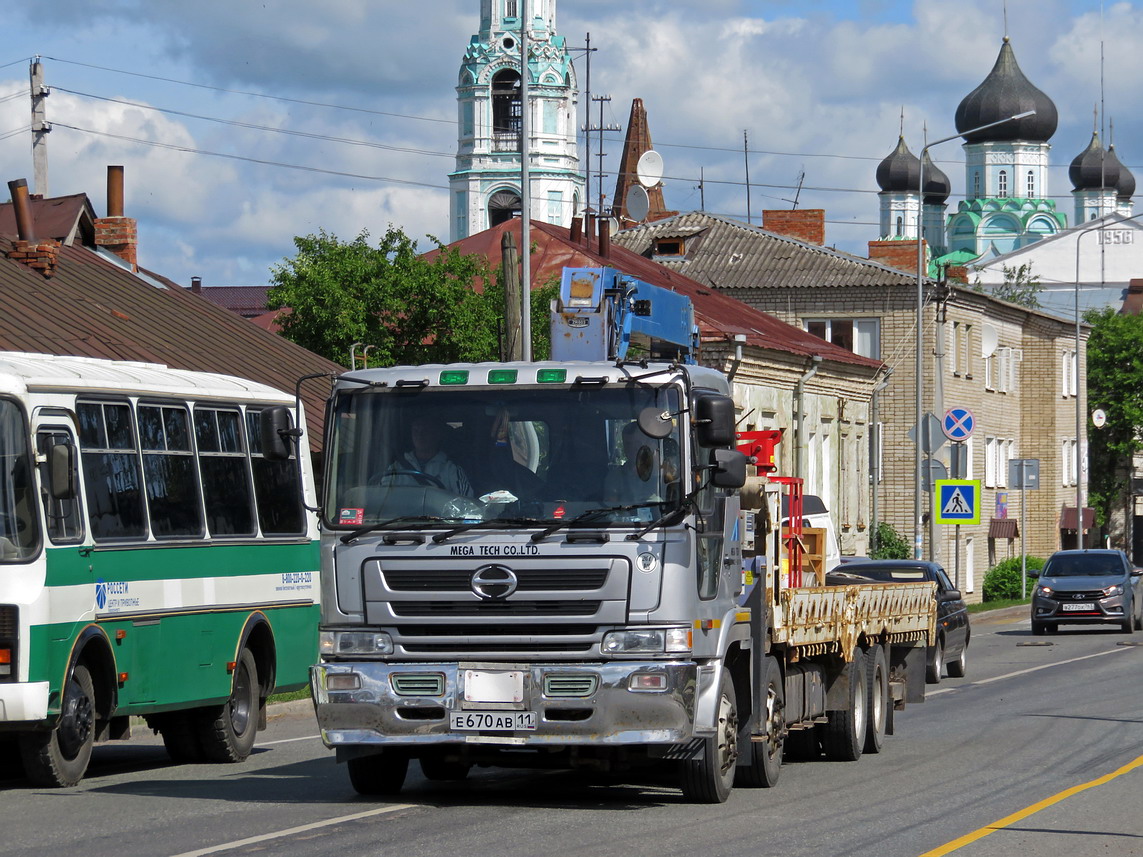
<point>844,735</point>
<point>710,779</point>
<point>380,774</point>
<point>766,756</point>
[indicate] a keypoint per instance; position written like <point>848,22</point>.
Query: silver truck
<point>549,565</point>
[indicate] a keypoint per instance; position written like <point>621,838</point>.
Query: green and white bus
<point>157,558</point>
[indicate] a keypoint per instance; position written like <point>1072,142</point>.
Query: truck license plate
<point>1077,608</point>
<point>497,721</point>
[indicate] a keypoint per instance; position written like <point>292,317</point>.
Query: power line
<point>193,151</point>
<point>252,126</point>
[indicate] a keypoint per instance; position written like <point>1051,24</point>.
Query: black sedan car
<point>953,632</point>
<point>1087,587</point>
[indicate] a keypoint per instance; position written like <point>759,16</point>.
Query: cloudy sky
<point>241,124</point>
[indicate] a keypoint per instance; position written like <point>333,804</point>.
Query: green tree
<point>888,543</point>
<point>409,308</point>
<point>1115,386</point>
<point>1020,286</point>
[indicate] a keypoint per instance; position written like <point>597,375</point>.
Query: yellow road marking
<point>968,838</point>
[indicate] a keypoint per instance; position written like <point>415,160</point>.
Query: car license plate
<point>494,721</point>
<point>1082,607</point>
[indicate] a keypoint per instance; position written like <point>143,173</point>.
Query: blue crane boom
<point>601,312</point>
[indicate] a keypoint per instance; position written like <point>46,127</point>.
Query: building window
<point>900,224</point>
<point>967,458</point>
<point>859,335</point>
<point>954,349</point>
<point>976,185</point>
<point>670,247</point>
<point>990,455</point>
<point>555,206</point>
<point>966,350</point>
<point>510,8</point>
<point>1068,462</point>
<point>1031,184</point>
<point>507,115</point>
<point>1002,184</point>
<point>990,371</point>
<point>1068,374</point>
<point>461,214</point>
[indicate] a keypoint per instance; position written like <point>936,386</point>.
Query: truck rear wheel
<point>844,735</point>
<point>877,699</point>
<point>766,756</point>
<point>710,779</point>
<point>380,774</point>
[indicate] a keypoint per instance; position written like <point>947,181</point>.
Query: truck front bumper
<point>574,704</point>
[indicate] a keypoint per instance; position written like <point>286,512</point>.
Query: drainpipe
<point>25,230</point>
<point>738,339</point>
<point>875,449</point>
<point>799,412</point>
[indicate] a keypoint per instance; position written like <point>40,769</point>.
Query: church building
<point>485,188</point>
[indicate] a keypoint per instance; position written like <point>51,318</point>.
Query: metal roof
<point>718,315</point>
<point>728,254</point>
<point>94,308</point>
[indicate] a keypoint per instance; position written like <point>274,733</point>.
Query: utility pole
<point>602,99</point>
<point>586,128</point>
<point>525,191</point>
<point>746,159</point>
<point>40,128</point>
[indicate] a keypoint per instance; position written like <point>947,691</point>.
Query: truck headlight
<point>647,641</point>
<point>355,643</point>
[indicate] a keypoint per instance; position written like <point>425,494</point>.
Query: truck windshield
<point>19,526</point>
<point>439,457</point>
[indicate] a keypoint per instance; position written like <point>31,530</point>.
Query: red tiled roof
<point>719,316</point>
<point>246,301</point>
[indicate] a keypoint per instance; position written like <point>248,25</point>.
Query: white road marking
<point>1024,672</point>
<point>303,828</point>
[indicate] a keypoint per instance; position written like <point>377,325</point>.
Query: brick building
<point>1013,367</point>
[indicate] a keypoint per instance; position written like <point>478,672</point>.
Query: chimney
<point>806,224</point>
<point>117,233</point>
<point>196,284</point>
<point>576,229</point>
<point>42,255</point>
<point>605,238</point>
<point>897,254</point>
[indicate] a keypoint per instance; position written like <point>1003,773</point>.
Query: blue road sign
<point>958,424</point>
<point>957,501</point>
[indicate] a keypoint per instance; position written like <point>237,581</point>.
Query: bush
<point>888,544</point>
<point>1003,580</point>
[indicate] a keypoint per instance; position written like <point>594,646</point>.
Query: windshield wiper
<point>588,515</point>
<point>390,524</point>
<point>664,520</point>
<point>490,523</point>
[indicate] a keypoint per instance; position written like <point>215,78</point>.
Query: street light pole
<point>1076,375</point>
<point>918,366</point>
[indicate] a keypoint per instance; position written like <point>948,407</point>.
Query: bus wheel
<point>844,736</point>
<point>766,756</point>
<point>710,779</point>
<point>227,731</point>
<point>60,757</point>
<point>379,774</point>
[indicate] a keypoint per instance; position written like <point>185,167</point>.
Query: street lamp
<point>1076,375</point>
<point>918,367</point>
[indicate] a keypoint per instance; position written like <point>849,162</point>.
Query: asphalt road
<point>1039,750</point>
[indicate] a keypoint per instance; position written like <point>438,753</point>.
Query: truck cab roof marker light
<point>454,377</point>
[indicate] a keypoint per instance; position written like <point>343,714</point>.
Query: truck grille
<point>559,606</point>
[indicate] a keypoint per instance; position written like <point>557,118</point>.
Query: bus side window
<point>63,515</point>
<point>277,486</point>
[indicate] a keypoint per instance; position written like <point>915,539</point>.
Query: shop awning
<point>1003,528</point>
<point>1068,518</point>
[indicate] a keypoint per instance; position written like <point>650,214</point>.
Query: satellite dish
<point>989,339</point>
<point>638,203</point>
<point>649,169</point>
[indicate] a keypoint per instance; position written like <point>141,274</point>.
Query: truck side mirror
<point>714,420</point>
<point>728,468</point>
<point>275,430</point>
<point>61,471</point>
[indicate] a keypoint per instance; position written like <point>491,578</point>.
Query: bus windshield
<point>522,453</point>
<point>19,529</point>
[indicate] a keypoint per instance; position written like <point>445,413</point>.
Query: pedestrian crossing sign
<point>956,501</point>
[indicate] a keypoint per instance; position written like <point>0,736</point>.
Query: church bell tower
<point>485,188</point>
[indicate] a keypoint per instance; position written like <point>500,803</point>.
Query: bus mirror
<point>276,431</point>
<point>655,422</point>
<point>728,468</point>
<point>714,420</point>
<point>61,471</point>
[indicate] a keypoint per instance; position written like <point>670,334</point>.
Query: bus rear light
<point>5,661</point>
<point>231,666</point>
